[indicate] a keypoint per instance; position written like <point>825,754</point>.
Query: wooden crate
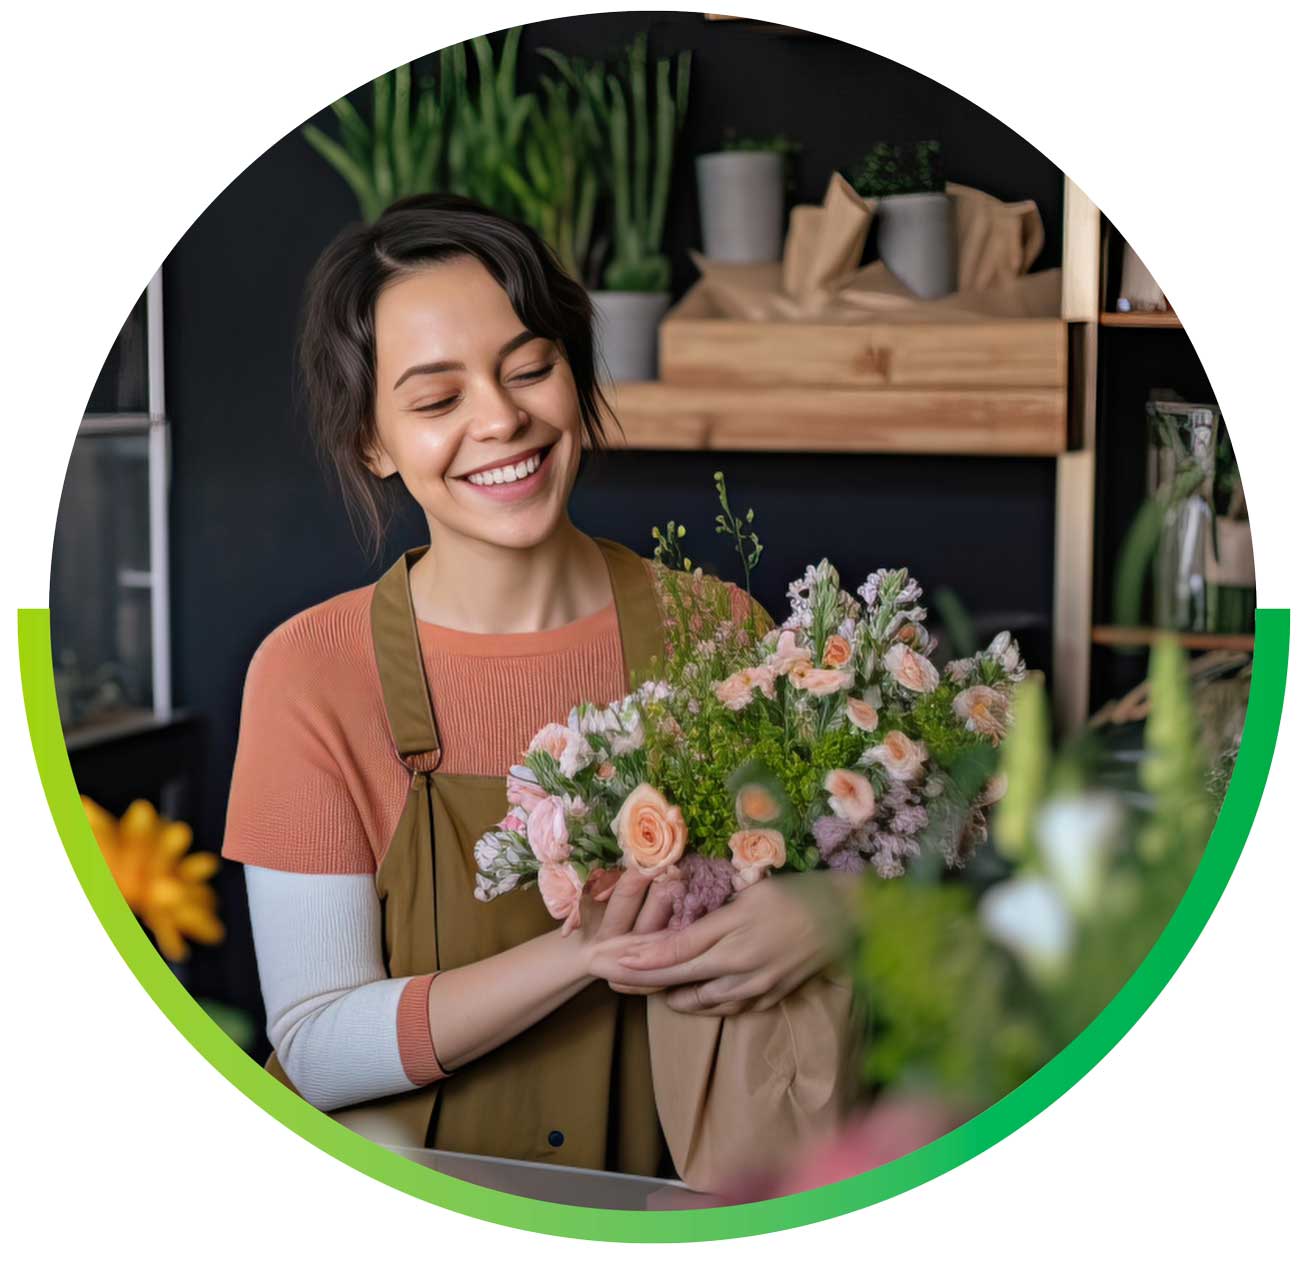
<point>699,346</point>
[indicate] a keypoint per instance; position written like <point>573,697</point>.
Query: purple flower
<point>703,886</point>
<point>830,834</point>
<point>911,819</point>
<point>847,861</point>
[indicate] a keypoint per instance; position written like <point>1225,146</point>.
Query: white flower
<point>568,747</point>
<point>1028,917</point>
<point>1076,836</point>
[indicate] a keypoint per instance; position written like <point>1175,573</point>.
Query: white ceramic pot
<point>742,205</point>
<point>917,242</point>
<point>627,332</point>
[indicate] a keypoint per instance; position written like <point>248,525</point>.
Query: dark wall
<point>258,533</point>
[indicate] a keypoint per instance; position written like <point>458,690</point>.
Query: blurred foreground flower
<point>166,889</point>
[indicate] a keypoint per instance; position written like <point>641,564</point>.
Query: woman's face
<point>478,417</point>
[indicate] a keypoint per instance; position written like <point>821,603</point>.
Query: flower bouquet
<point>831,740</point>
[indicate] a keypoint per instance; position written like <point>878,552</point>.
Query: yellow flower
<point>166,889</point>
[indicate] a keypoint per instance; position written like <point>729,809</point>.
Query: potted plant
<point>916,239</point>
<point>742,198</point>
<point>637,132</point>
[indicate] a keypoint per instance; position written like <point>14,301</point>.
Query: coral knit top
<point>316,794</point>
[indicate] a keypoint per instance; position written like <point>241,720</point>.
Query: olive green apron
<point>576,1087</point>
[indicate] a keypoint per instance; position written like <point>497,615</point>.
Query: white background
<point>123,120</point>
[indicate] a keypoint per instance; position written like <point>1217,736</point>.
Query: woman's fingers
<point>624,904</point>
<point>725,995</point>
<point>656,909</point>
<point>667,949</point>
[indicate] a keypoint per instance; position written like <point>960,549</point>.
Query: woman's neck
<point>475,586</point>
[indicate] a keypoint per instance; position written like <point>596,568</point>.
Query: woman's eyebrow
<point>441,366</point>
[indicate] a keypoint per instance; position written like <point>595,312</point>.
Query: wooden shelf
<point>1142,320</point>
<point>1109,635</point>
<point>1021,422</point>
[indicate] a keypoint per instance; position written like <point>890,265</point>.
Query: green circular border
<point>992,1125</point>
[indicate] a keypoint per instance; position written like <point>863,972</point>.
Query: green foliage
<point>401,150</point>
<point>931,720</point>
<point>741,531</point>
<point>668,546</point>
<point>1027,763</point>
<point>779,144</point>
<point>888,170</point>
<point>935,989</point>
<point>637,151</point>
<point>1174,771</point>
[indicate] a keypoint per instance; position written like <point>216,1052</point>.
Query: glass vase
<point>1183,445</point>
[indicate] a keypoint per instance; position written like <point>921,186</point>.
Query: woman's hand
<point>751,953</point>
<point>621,903</point>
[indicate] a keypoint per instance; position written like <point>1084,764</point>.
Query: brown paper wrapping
<point>818,278</point>
<point>736,1093</point>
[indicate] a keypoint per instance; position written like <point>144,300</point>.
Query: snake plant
<point>456,139</point>
<point>640,154</point>
<point>399,151</point>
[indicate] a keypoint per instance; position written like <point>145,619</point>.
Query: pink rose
<point>788,653</point>
<point>861,714</point>
<point>852,797</point>
<point>514,820</point>
<point>605,771</point>
<point>911,670</point>
<point>548,832</point>
<point>899,756</point>
<point>984,710</point>
<point>561,889</point>
<point>754,853</point>
<point>837,651</point>
<point>820,682</point>
<point>735,692</point>
<point>650,830</point>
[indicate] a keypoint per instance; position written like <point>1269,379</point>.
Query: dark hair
<point>336,344</point>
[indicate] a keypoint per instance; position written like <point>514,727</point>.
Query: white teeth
<point>507,474</point>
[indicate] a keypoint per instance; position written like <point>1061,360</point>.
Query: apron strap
<point>640,624</point>
<point>400,661</point>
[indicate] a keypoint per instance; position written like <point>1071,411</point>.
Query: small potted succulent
<point>916,238</point>
<point>742,198</point>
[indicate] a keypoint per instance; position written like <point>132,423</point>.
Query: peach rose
<point>911,670</point>
<point>837,653</point>
<point>788,653</point>
<point>566,746</point>
<point>899,756</point>
<point>605,771</point>
<point>754,853</point>
<point>755,803</point>
<point>984,710</point>
<point>650,830</point>
<point>861,714</point>
<point>820,682</point>
<point>548,832</point>
<point>852,798</point>
<point>561,888</point>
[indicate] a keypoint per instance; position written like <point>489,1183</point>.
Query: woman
<point>444,350</point>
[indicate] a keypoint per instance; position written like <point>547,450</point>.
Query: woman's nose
<point>497,415</point>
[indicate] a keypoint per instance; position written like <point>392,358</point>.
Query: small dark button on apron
<point>555,1137</point>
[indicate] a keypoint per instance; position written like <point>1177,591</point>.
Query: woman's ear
<point>377,460</point>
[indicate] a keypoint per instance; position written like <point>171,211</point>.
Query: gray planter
<point>742,205</point>
<point>917,242</point>
<point>627,332</point>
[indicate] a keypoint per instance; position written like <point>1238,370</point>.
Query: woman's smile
<point>513,478</point>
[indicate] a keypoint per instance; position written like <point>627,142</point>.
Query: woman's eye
<point>437,404</point>
<point>534,375</point>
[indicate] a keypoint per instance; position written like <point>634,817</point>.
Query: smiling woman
<point>446,356</point>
